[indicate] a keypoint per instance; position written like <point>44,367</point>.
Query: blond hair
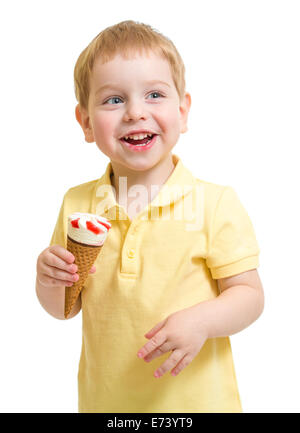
<point>126,38</point>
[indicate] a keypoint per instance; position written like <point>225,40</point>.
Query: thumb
<point>154,330</point>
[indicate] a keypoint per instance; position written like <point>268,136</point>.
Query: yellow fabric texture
<point>166,259</point>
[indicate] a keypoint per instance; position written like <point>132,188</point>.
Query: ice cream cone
<point>85,256</point>
<point>85,239</point>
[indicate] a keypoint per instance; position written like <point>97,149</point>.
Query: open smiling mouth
<point>144,143</point>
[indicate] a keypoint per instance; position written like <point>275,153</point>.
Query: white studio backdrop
<point>242,70</point>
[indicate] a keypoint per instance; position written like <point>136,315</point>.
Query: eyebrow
<point>114,86</point>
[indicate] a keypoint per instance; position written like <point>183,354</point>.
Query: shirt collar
<point>179,183</point>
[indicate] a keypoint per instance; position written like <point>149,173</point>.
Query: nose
<point>134,110</point>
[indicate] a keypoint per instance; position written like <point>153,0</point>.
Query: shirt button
<point>131,254</point>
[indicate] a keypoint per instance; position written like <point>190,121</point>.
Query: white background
<point>243,69</point>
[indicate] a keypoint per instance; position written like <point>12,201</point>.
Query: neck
<point>156,175</point>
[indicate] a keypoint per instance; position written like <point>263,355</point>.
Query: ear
<point>83,119</point>
<point>184,108</point>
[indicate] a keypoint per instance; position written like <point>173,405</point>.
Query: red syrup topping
<point>90,226</point>
<point>105,225</point>
<point>75,223</point>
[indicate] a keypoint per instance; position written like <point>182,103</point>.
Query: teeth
<point>138,136</point>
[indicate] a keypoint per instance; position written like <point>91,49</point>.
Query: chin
<point>141,167</point>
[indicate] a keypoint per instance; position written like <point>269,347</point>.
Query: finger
<point>184,362</point>
<point>53,266</point>
<point>47,281</point>
<point>55,261</point>
<point>156,328</point>
<point>161,350</point>
<point>58,274</point>
<point>170,363</point>
<point>62,253</point>
<point>177,358</point>
<point>155,342</point>
<point>93,269</point>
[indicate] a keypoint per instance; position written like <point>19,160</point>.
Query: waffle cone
<point>85,256</point>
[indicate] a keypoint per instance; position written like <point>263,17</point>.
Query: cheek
<point>173,121</point>
<point>170,115</point>
<point>103,126</point>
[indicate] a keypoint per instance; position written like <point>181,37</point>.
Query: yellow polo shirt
<point>166,259</point>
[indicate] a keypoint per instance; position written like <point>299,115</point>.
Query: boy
<point>179,264</point>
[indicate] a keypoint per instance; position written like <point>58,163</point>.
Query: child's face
<point>134,101</point>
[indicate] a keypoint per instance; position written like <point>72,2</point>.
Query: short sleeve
<point>59,236</point>
<point>233,246</point>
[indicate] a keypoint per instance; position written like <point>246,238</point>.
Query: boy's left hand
<point>183,333</point>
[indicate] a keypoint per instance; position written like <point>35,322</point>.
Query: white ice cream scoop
<point>88,228</point>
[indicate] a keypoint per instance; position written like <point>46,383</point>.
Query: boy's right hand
<point>56,267</point>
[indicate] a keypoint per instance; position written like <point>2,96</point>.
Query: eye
<point>114,98</point>
<point>156,93</point>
